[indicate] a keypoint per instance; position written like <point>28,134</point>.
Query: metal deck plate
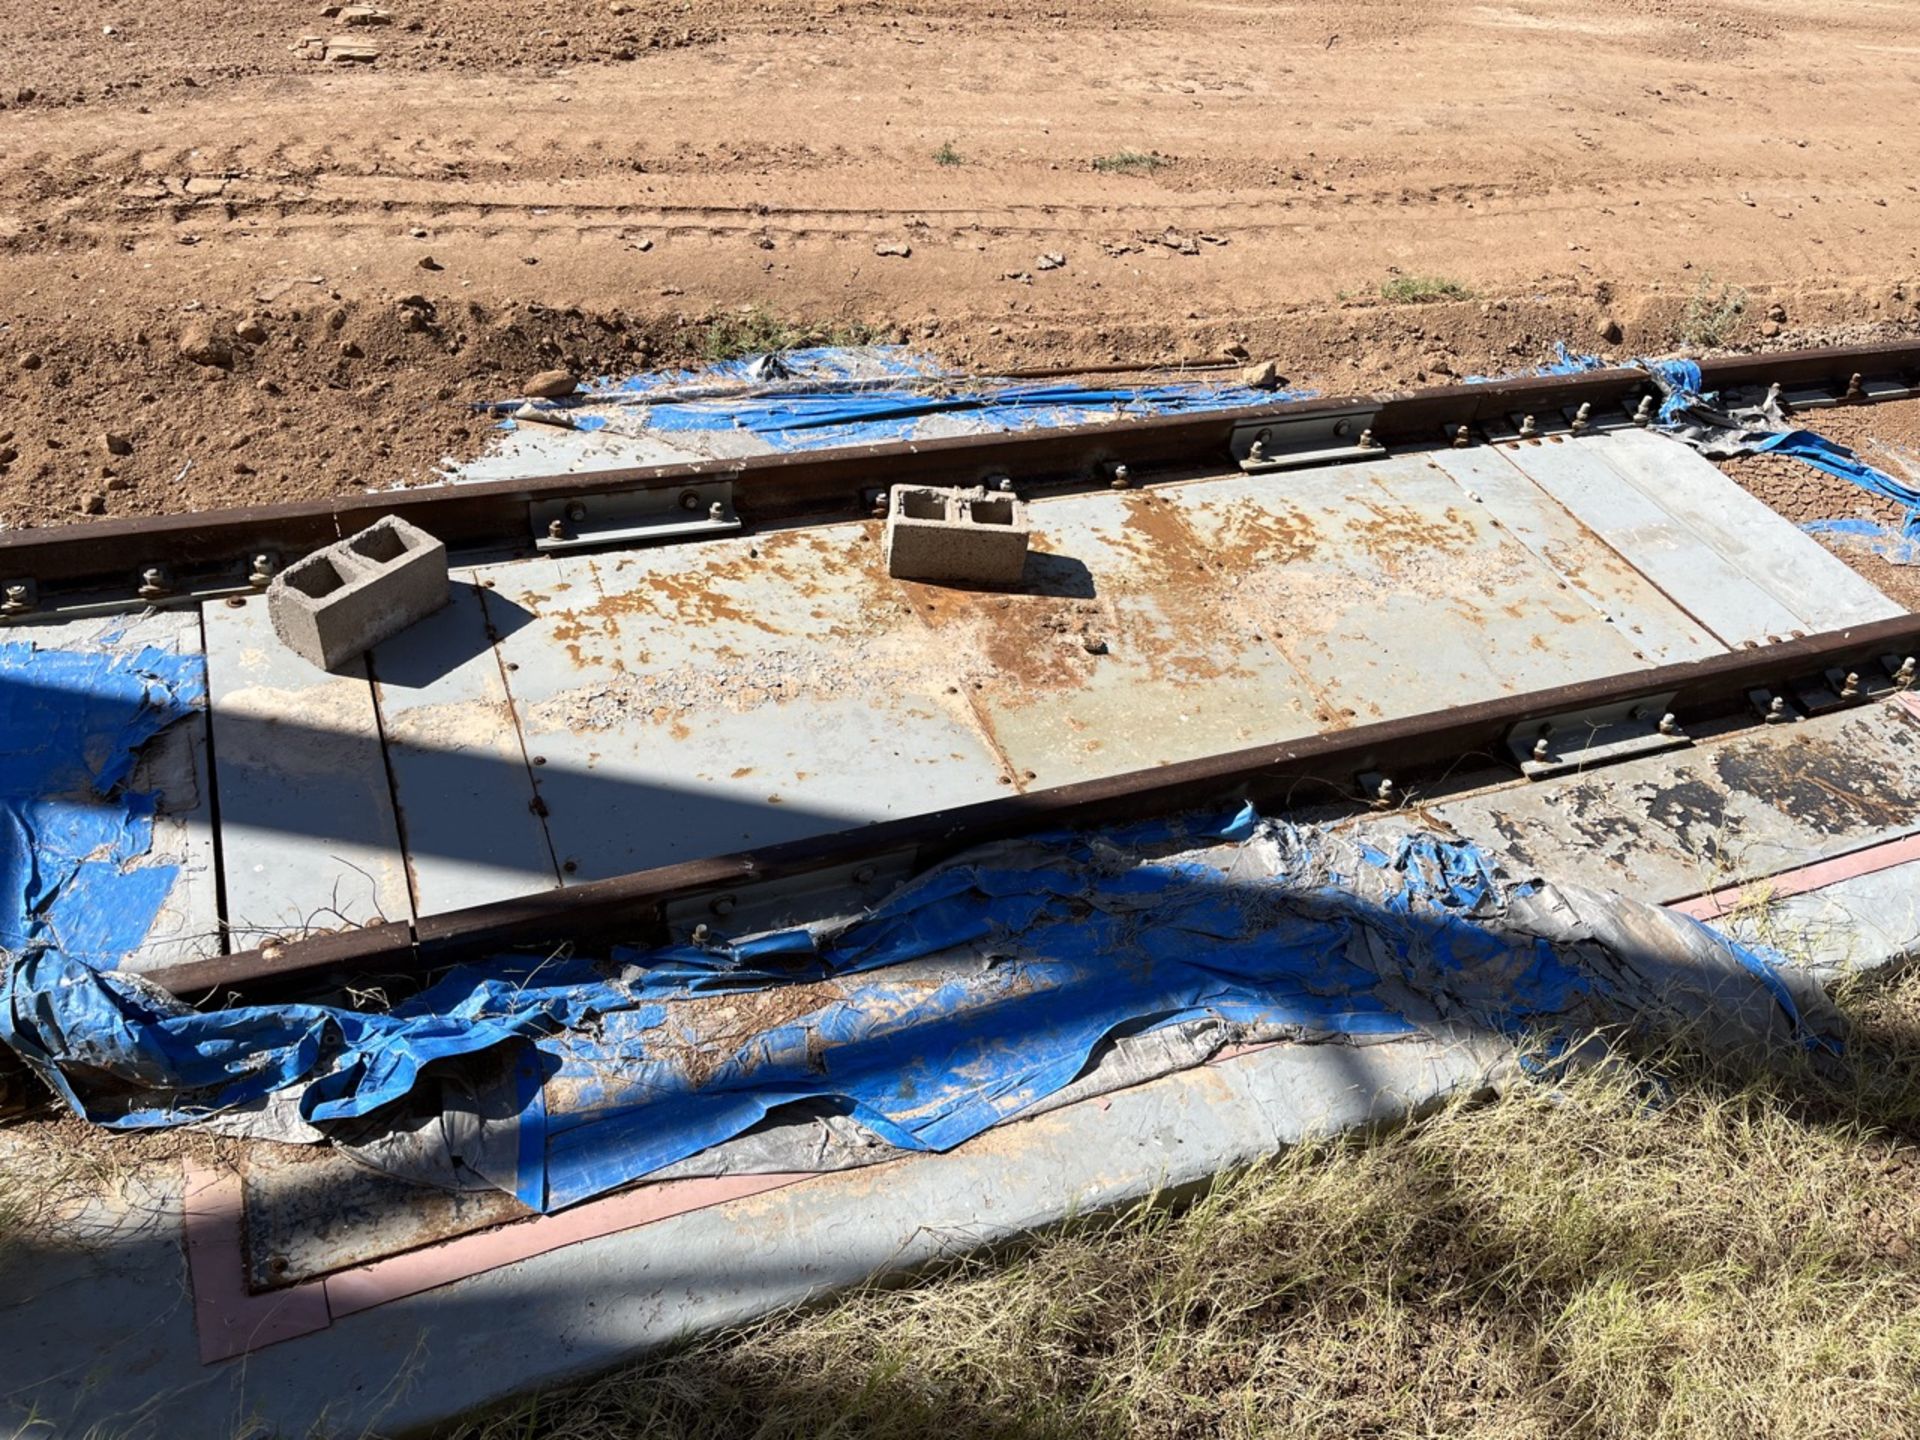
<point>307,835</point>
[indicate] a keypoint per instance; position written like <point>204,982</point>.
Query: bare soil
<point>594,182</point>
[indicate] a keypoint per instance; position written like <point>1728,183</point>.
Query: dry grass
<point>1735,1260</point>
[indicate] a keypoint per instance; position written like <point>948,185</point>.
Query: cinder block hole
<point>923,505</point>
<point>379,545</point>
<point>316,578</point>
<point>992,512</point>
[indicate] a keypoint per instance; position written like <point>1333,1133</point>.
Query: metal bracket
<point>1262,446</point>
<point>1584,739</point>
<point>756,906</point>
<point>633,517</point>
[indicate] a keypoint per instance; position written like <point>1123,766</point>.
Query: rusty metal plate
<point>697,700</point>
<point>1390,591</point>
<point>1728,811</point>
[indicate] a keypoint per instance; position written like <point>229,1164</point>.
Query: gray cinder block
<point>973,536</point>
<point>347,598</point>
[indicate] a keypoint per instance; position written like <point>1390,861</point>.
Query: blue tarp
<point>833,396</point>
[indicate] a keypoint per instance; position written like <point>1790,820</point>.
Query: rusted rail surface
<point>217,546</point>
<point>1318,768</point>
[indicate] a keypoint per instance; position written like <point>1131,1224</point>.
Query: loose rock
<point>116,444</point>
<point>201,346</point>
<point>1264,376</point>
<point>551,385</point>
<point>1609,330</point>
<point>898,249</point>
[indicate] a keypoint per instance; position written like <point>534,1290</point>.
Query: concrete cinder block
<point>342,601</point>
<point>971,536</point>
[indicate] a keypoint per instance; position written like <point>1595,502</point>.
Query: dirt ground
<point>590,184</point>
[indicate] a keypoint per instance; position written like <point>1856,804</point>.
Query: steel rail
<point>1319,767</point>
<point>111,556</point>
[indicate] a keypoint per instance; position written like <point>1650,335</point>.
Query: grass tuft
<point>1422,289</point>
<point>1130,162</point>
<point>758,331</point>
<point>1738,1260</point>
<point>947,155</point>
<point>1712,314</point>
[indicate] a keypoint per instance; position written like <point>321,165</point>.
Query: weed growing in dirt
<point>947,155</point>
<point>1129,162</point>
<point>1711,314</point>
<point>1735,1260</point>
<point>1422,289</point>
<point>758,331</point>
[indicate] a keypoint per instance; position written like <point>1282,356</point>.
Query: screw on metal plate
<point>1582,418</point>
<point>557,529</point>
<point>154,583</point>
<point>864,875</point>
<point>1903,677</point>
<point>722,905</point>
<point>1122,477</point>
<point>1366,441</point>
<point>1543,749</point>
<point>1002,483</point>
<point>1851,689</point>
<point>577,509</point>
<point>1462,438</point>
<point>1856,389</point>
<point>1644,414</point>
<point>716,511</point>
<point>1668,724</point>
<point>689,500</point>
<point>1777,711</point>
<point>18,598</point>
<point>701,934</point>
<point>1258,450</point>
<point>1527,430</point>
<point>261,570</point>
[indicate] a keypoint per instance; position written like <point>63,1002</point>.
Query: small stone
<point>897,249</point>
<point>1234,350</point>
<point>201,346</point>
<point>418,232</point>
<point>1050,262</point>
<point>350,351</point>
<point>1777,314</point>
<point>427,262</point>
<point>1608,329</point>
<point>551,385</point>
<point>95,504</point>
<point>114,482</point>
<point>1093,645</point>
<point>116,444</point>
<point>31,360</point>
<point>643,244</point>
<point>251,331</point>
<point>1264,376</point>
<point>1770,329</point>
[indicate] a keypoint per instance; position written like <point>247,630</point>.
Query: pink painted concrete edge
<point>1806,878</point>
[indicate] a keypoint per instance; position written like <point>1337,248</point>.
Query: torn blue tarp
<point>969,997</point>
<point>1870,536</point>
<point>856,395</point>
<point>1697,419</point>
<point>70,726</point>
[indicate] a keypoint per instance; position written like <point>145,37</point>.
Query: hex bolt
<point>1543,749</point>
<point>153,583</point>
<point>1462,438</point>
<point>1527,432</point>
<point>864,875</point>
<point>1384,793</point>
<point>577,511</point>
<point>1644,415</point>
<point>701,933</point>
<point>1850,690</point>
<point>1002,483</point>
<point>689,500</point>
<point>722,905</point>
<point>1903,677</point>
<point>1582,418</point>
<point>261,573</point>
<point>717,511</point>
<point>1856,388</point>
<point>1366,441</point>
<point>1257,451</point>
<point>1122,477</point>
<point>1776,711</point>
<point>18,600</point>
<point>556,529</point>
<point>1669,725</point>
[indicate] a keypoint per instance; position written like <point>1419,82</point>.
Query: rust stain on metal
<point>1821,783</point>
